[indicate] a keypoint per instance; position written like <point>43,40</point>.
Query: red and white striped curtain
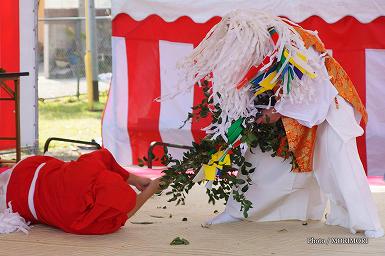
<point>144,56</point>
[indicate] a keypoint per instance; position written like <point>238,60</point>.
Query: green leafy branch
<point>181,172</point>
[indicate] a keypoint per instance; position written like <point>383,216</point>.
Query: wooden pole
<point>91,57</point>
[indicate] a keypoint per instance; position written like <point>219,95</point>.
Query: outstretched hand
<point>149,188</point>
<point>139,182</point>
<point>155,185</point>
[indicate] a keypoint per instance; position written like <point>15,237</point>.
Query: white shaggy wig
<point>238,42</point>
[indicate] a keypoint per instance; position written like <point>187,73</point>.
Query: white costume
<point>245,46</point>
<point>338,174</point>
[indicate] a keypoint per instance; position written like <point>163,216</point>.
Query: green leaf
<point>247,164</point>
<point>179,241</point>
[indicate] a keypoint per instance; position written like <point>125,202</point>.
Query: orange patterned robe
<point>300,140</point>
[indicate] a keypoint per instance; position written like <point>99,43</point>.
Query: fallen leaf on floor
<point>179,241</point>
<point>205,225</point>
<point>142,222</point>
<point>156,216</point>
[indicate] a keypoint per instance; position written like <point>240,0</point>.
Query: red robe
<point>87,196</point>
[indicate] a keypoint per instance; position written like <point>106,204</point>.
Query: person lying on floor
<point>91,195</point>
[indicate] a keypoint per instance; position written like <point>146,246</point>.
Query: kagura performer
<point>321,117</point>
<point>91,195</point>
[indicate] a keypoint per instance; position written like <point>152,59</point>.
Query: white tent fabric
<point>28,85</point>
<point>296,10</point>
<point>375,105</point>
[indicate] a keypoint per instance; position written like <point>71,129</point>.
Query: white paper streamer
<point>228,51</point>
<point>12,221</point>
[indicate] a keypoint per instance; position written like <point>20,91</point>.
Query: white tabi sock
<point>374,233</point>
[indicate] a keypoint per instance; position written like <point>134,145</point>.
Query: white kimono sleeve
<point>314,111</point>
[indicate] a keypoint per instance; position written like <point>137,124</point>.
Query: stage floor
<point>243,238</point>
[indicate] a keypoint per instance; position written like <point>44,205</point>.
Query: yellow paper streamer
<point>267,83</point>
<point>210,169</point>
<point>300,62</point>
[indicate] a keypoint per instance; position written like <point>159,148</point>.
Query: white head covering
<point>238,42</point>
